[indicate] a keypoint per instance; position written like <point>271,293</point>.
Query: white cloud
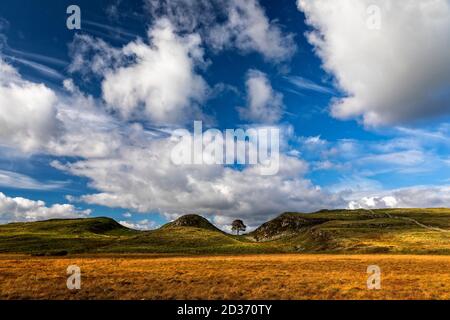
<point>402,158</point>
<point>140,225</point>
<point>306,84</point>
<point>27,111</point>
<point>412,197</point>
<point>184,14</point>
<point>156,81</point>
<point>99,135</point>
<point>399,73</point>
<point>130,167</point>
<point>36,119</point>
<point>313,143</point>
<point>249,29</point>
<point>142,178</point>
<point>16,180</point>
<point>38,67</point>
<point>93,56</point>
<point>264,105</point>
<point>21,209</point>
<point>373,203</point>
<point>228,24</point>
<point>404,152</point>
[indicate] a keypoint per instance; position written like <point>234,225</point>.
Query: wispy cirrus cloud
<point>39,67</point>
<point>301,84</point>
<point>37,57</point>
<point>16,180</point>
<point>109,28</point>
<point>108,31</point>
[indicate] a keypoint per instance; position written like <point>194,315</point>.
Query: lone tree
<point>238,225</point>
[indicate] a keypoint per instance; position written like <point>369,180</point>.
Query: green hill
<point>76,227</point>
<point>361,231</point>
<point>191,220</point>
<point>59,237</point>
<point>327,231</point>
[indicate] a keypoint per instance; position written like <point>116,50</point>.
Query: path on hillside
<point>411,220</point>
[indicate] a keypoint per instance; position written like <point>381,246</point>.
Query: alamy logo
<point>373,21</point>
<point>253,146</point>
<point>374,280</point>
<point>74,279</point>
<point>74,20</point>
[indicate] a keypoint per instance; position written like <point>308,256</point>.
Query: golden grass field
<point>279,276</point>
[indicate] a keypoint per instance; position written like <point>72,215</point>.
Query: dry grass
<point>226,277</point>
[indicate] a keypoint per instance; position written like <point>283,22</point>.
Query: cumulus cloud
<point>373,203</point>
<point>143,178</point>
<point>37,119</point>
<point>156,81</point>
<point>143,225</point>
<point>27,111</point>
<point>249,29</point>
<point>396,73</point>
<point>228,24</point>
<point>99,135</point>
<point>264,105</point>
<point>93,56</point>
<point>379,173</point>
<point>184,14</point>
<point>413,197</point>
<point>21,209</point>
<point>131,168</point>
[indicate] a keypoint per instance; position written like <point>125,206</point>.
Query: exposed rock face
<point>284,225</point>
<point>192,220</point>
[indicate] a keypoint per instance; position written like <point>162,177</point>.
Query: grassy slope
<point>359,231</point>
<point>57,236</point>
<point>378,231</point>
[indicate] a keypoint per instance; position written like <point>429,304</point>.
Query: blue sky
<point>362,103</point>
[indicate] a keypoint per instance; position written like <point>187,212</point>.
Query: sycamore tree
<point>238,225</point>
